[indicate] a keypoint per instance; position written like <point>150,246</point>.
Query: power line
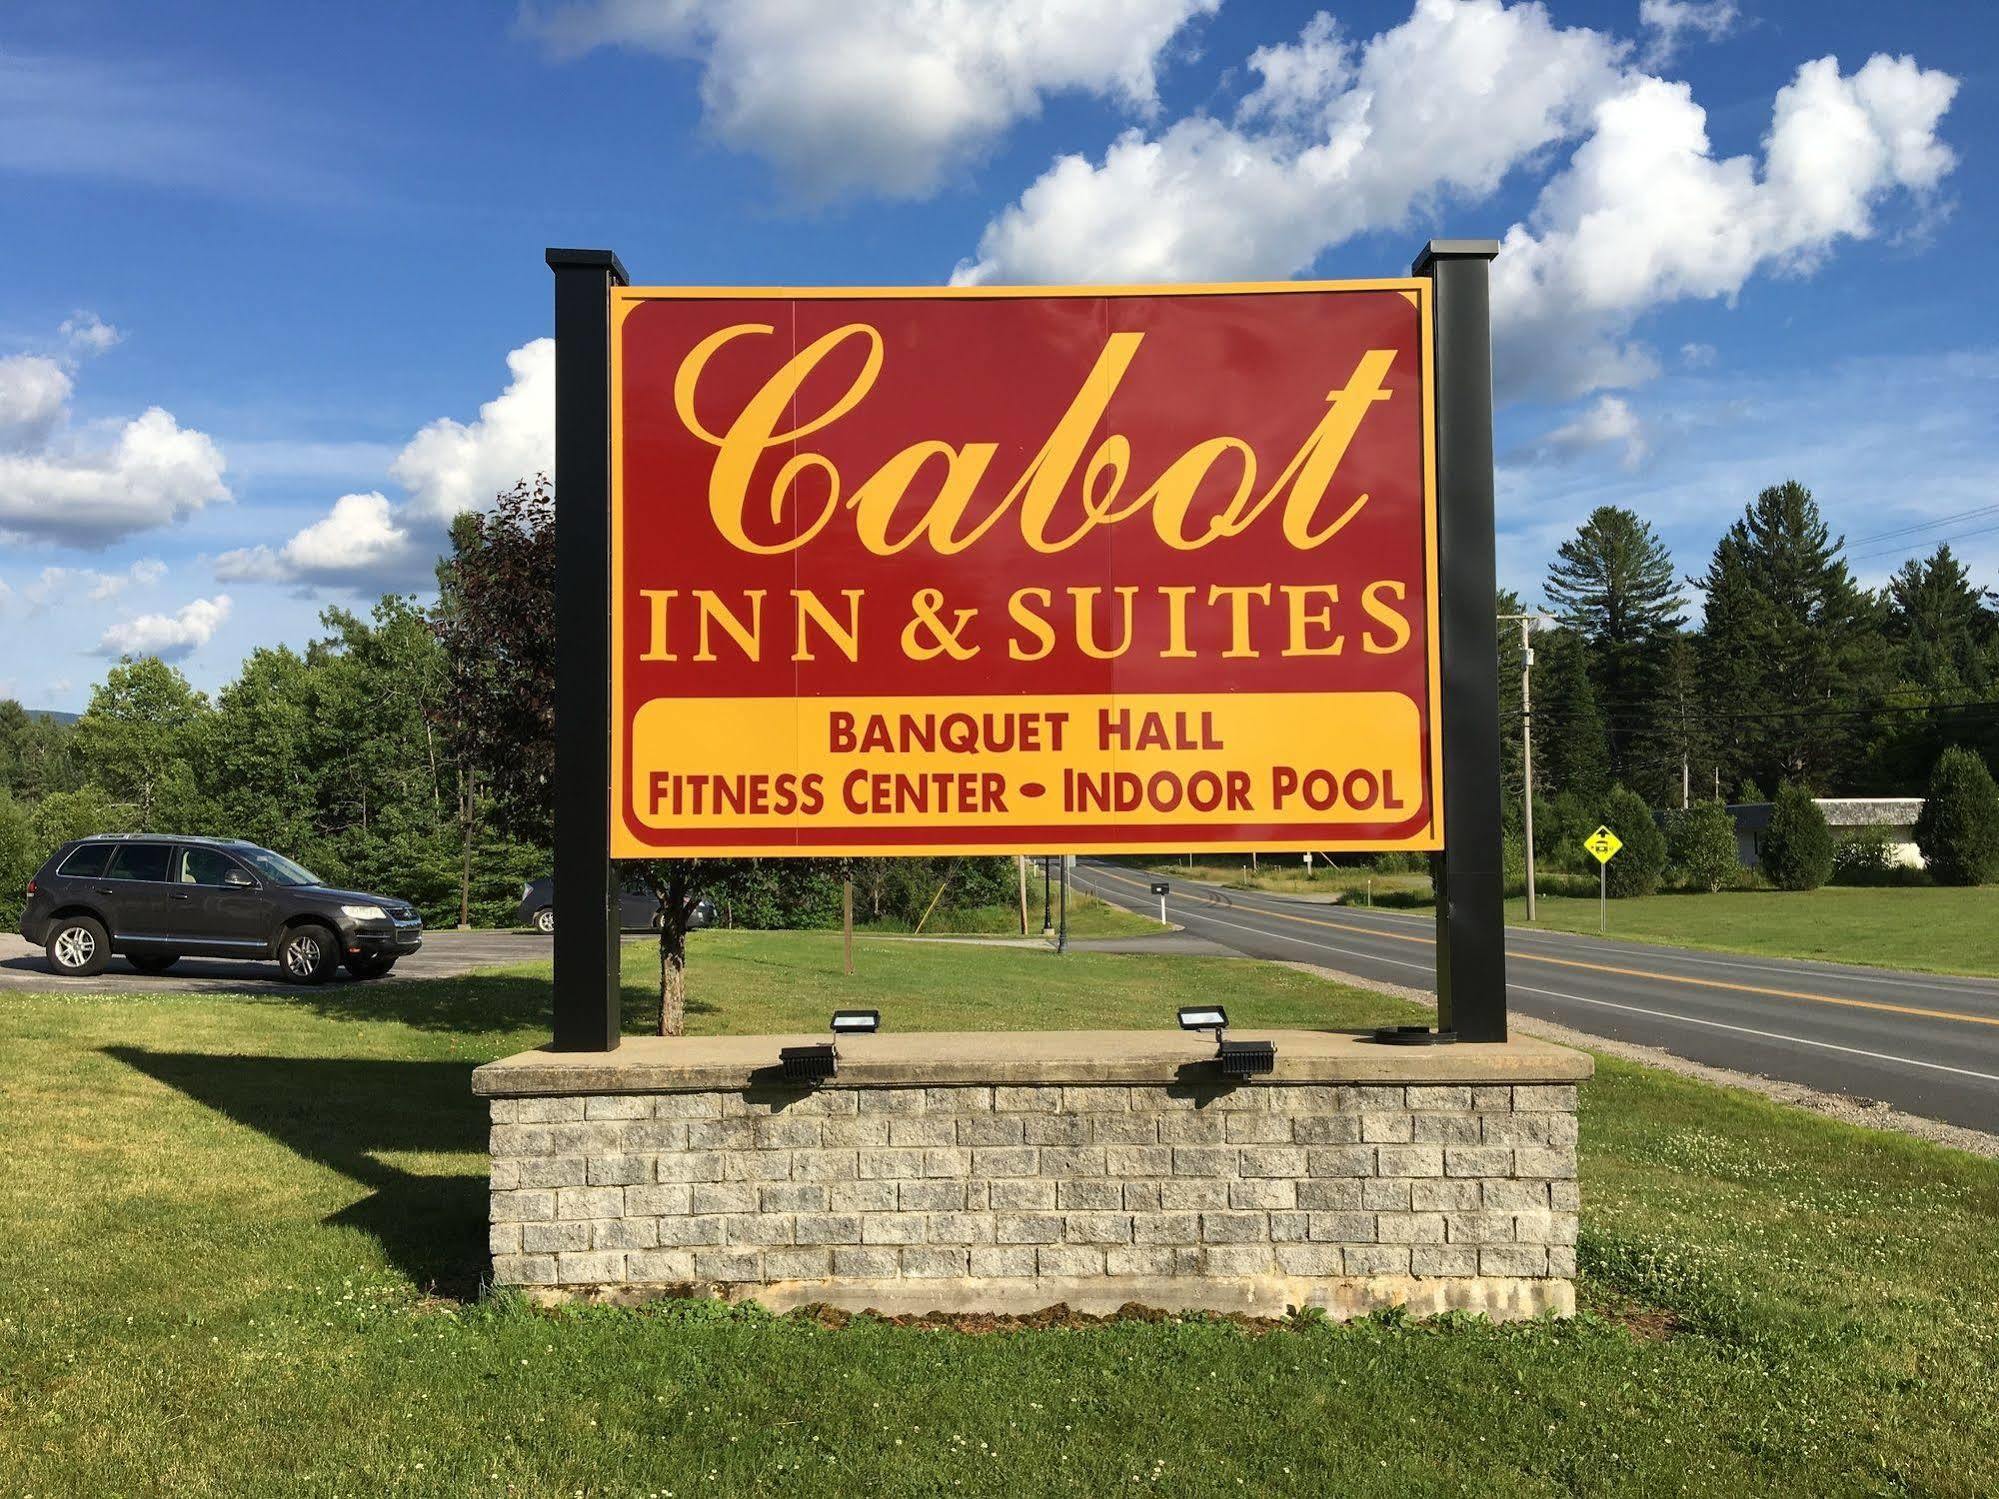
<point>1928,525</point>
<point>1940,540</point>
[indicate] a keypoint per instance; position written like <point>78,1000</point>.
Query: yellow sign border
<point>627,299</point>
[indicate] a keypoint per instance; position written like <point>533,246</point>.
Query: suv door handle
<point>180,897</point>
<point>106,890</point>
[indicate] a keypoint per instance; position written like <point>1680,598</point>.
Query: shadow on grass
<point>469,1004</point>
<point>345,1114</point>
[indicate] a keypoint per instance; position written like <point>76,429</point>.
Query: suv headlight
<point>365,913</point>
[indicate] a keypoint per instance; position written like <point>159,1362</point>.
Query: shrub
<point>1642,860</point>
<point>1958,828</point>
<point>1701,846</point>
<point>1863,857</point>
<point>1797,846</point>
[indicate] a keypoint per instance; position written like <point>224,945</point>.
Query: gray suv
<point>155,898</point>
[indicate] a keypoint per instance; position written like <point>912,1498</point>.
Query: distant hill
<point>54,715</point>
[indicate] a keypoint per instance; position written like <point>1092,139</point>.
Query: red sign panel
<point>997,570</point>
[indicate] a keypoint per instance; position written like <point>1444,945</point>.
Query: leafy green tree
<point>64,815</point>
<point>263,761</point>
<point>1613,584</point>
<point>1798,844</point>
<point>20,856</point>
<point>1789,645</point>
<point>1639,865</point>
<point>1958,828</point>
<point>40,754</point>
<point>142,728</point>
<point>1701,846</point>
<point>1571,746</point>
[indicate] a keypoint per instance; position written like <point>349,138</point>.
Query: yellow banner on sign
<point>1334,759</point>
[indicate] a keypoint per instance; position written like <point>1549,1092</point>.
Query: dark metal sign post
<point>1471,888</point>
<point>586,896</point>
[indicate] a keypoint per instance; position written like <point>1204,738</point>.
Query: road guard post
<point>868,571</point>
<point>1603,845</point>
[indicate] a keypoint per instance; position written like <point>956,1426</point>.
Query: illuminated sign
<point>993,569</point>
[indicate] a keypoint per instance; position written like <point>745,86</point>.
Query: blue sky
<point>263,267</point>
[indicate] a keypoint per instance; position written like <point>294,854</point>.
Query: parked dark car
<point>156,898</point>
<point>638,911</point>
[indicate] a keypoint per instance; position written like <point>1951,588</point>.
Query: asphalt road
<point>444,954</point>
<point>1926,1043</point>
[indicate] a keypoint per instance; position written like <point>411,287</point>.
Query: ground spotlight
<point>809,1065</point>
<point>856,1022</point>
<point>1234,1058</point>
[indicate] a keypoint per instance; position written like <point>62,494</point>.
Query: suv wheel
<point>77,947</point>
<point>308,954</point>
<point>152,962</point>
<point>544,920</point>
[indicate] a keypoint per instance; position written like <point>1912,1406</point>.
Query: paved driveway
<point>444,954</point>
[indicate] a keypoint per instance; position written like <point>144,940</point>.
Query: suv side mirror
<point>237,878</point>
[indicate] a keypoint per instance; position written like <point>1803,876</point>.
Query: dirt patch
<point>1866,1112</point>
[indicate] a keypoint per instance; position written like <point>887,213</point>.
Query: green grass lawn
<point>239,1237</point>
<point>1934,928</point>
<point>1088,917</point>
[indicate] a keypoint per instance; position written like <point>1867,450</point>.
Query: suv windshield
<point>276,867</point>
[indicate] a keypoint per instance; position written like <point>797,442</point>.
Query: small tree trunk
<point>671,893</point>
<point>465,864</point>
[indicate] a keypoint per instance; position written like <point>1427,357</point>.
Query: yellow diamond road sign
<point>1604,844</point>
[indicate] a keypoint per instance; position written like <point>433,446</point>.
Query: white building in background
<point>1895,816</point>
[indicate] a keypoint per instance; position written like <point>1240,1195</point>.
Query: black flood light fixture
<point>1234,1058</point>
<point>809,1065</point>
<point>814,1064</point>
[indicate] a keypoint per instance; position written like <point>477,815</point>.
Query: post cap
<point>561,260</point>
<point>1453,249</point>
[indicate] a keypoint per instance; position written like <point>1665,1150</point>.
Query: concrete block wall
<point>1346,1196</point>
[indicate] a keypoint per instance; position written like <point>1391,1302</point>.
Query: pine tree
<point>1613,584</point>
<point>1571,747</point>
<point>1638,865</point>
<point>1787,642</point>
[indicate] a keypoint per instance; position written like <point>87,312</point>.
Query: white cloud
<point>34,392</point>
<point>1339,139</point>
<point>1697,356</point>
<point>60,582</point>
<point>1670,20</point>
<point>87,485</point>
<point>1607,423</point>
<point>881,96</point>
<point>86,333</point>
<point>1645,214</point>
<point>168,636</point>
<point>86,493</point>
<point>357,539</point>
<point>1336,140</point>
<point>449,467</point>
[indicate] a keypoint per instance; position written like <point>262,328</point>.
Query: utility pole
<point>1527,623</point>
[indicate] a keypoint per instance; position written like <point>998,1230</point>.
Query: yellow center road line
<point>1637,973</point>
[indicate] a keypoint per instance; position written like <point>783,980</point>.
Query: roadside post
<point>1603,845</point>
<point>782,634</point>
<point>847,922</point>
<point>1161,889</point>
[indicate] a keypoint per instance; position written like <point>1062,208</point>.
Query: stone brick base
<point>1179,1192</point>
